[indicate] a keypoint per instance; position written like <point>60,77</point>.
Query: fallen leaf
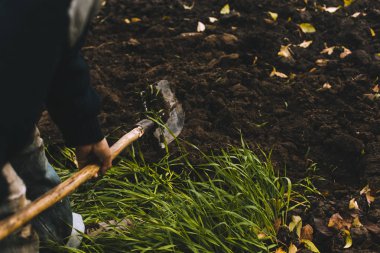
<point>331,9</point>
<point>189,7</point>
<point>356,14</point>
<point>356,222</point>
<point>371,96</point>
<point>326,86</point>
<point>376,88</point>
<point>135,20</point>
<point>292,248</point>
<point>127,21</point>
<point>305,44</point>
<point>307,232</point>
<point>345,52</point>
<point>321,62</point>
<point>307,28</point>
<point>348,239</point>
<point>373,34</point>
<point>336,221</point>
<point>191,34</point>
<point>225,10</point>
<point>365,189</point>
<point>278,74</point>
<point>310,246</point>
<point>285,51</point>
<point>353,204</point>
<point>273,15</point>
<point>296,223</point>
<point>280,250</point>
<point>328,50</point>
<point>212,19</point>
<point>201,27</point>
<point>347,2</point>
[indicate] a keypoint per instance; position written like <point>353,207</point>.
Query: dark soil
<point>222,78</point>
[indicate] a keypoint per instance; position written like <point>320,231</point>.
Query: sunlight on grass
<point>230,203</point>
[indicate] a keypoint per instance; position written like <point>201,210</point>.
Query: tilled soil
<point>324,113</point>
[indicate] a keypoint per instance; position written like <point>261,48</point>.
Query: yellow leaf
<point>292,248</point>
<point>127,21</point>
<point>347,2</point>
<point>348,237</point>
<point>201,27</point>
<point>307,28</point>
<point>296,224</point>
<point>310,246</point>
<point>280,250</point>
<point>376,88</point>
<point>353,204</point>
<point>373,34</point>
<point>284,51</point>
<point>225,10</point>
<point>336,221</point>
<point>278,74</point>
<point>305,44</point>
<point>134,20</point>
<point>273,15</point>
<point>356,222</point>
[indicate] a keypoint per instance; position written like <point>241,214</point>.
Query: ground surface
<point>321,113</point>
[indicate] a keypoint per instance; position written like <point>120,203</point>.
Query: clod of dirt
<point>359,57</point>
<point>361,236</point>
<point>224,61</point>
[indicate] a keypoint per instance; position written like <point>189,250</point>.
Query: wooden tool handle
<point>17,220</point>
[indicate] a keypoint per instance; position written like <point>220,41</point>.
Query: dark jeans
<point>29,175</point>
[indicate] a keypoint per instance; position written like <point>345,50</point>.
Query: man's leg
<point>24,240</point>
<point>54,224</point>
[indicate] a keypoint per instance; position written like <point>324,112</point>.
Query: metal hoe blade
<point>176,120</point>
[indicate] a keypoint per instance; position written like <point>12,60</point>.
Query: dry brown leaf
<point>336,221</point>
<point>280,250</point>
<point>278,74</point>
<point>292,248</point>
<point>135,20</point>
<point>321,62</point>
<point>328,50</point>
<point>371,96</point>
<point>285,51</point>
<point>345,52</point>
<point>305,44</point>
<point>307,232</point>
<point>376,88</point>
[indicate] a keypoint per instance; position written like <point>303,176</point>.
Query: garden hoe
<point>166,134</point>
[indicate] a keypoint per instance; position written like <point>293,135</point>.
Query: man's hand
<point>97,152</point>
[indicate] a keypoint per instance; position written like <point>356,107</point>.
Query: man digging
<point>41,67</point>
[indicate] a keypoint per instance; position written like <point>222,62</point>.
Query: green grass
<point>219,206</point>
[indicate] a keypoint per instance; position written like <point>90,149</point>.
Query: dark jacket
<point>41,67</point>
